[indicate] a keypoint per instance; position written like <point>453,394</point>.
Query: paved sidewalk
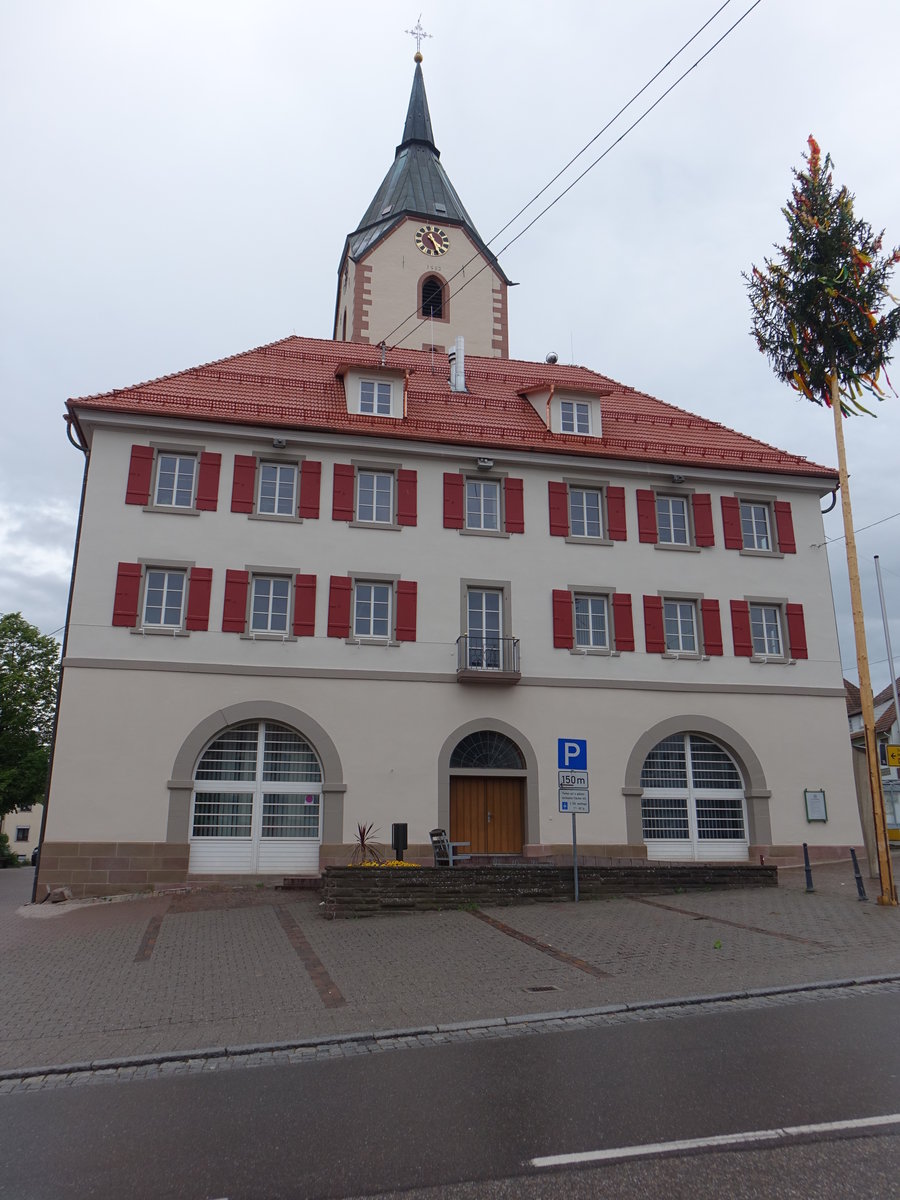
<point>181,973</point>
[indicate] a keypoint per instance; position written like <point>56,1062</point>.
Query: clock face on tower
<point>432,240</point>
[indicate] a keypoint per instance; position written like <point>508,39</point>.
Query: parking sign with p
<point>572,754</point>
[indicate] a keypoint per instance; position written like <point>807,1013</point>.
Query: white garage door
<point>693,802</point>
<point>257,803</point>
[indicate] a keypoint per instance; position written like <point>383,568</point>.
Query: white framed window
<point>375,397</point>
<point>372,603</point>
<point>163,598</point>
<point>22,833</point>
<point>483,504</point>
<point>765,630</point>
<point>270,604</point>
<point>680,625</point>
<point>484,625</point>
<point>574,416</point>
<point>585,512</point>
<point>175,480</point>
<point>375,496</point>
<point>591,622</point>
<point>672,522</point>
<point>277,489</point>
<point>756,525</point>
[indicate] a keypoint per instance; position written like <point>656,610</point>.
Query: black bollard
<point>809,882</point>
<point>860,886</point>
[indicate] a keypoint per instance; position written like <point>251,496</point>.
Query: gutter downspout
<point>81,445</point>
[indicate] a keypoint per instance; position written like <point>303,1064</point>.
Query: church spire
<point>418,120</point>
<point>407,256</point>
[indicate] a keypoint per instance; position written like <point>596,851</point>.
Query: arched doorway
<point>487,793</point>
<point>692,806</point>
<point>257,803</point>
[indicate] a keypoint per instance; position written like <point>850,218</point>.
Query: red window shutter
<point>654,634</point>
<point>731,523</point>
<point>784,526</point>
<point>646,510</point>
<point>558,495</point>
<point>304,605</point>
<point>623,622</point>
<point>234,614</point>
<point>199,588</point>
<point>140,470</point>
<point>740,627</point>
<point>615,514</point>
<point>405,626</point>
<point>712,627</point>
<point>703,522</point>
<point>128,588</point>
<point>339,607</point>
<point>243,487</point>
<point>454,491</point>
<point>208,482</point>
<point>407,486</point>
<point>515,506</point>
<point>342,495</point>
<point>310,486</point>
<point>563,631</point>
<point>796,630</point>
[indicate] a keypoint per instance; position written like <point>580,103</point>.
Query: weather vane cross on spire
<point>418,33</point>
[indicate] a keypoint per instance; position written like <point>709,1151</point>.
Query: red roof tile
<point>293,384</point>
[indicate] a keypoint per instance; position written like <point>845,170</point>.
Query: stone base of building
<point>93,869</point>
<point>90,869</point>
<point>792,856</point>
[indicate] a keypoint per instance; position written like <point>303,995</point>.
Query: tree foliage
<point>29,669</point>
<point>820,306</point>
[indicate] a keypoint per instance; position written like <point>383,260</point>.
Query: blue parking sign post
<point>571,759</point>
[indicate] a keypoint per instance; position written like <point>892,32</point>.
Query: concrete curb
<point>337,1039</point>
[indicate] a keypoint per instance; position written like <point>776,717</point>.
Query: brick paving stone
<point>221,970</point>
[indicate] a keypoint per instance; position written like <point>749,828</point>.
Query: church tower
<point>415,273</point>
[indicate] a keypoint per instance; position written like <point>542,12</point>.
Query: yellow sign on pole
<point>893,755</point>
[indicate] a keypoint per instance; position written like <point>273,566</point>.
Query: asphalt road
<point>477,1115</point>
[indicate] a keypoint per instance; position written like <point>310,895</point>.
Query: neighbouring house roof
<point>297,384</point>
<point>886,693</point>
<point>415,186</point>
<point>854,704</point>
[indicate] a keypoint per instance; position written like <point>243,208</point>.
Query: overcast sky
<point>180,176</point>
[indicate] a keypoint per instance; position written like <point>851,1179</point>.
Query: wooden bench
<point>445,851</point>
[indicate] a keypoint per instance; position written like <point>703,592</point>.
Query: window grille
<point>488,749</point>
<point>288,758</point>
<point>223,814</point>
<point>665,819</point>
<point>232,755</point>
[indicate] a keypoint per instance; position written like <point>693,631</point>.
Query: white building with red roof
<point>325,583</point>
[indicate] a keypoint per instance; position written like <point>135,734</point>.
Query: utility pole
<point>883,852</point>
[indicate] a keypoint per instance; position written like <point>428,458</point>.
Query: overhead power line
<point>413,315</point>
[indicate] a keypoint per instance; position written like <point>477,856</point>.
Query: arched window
<point>488,750</point>
<point>257,802</point>
<point>432,297</point>
<point>693,801</point>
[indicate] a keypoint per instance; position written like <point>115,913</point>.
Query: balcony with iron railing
<point>487,659</point>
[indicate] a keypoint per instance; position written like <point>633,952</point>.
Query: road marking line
<point>726,1139</point>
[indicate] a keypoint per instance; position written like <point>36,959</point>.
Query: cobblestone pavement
<point>160,975</point>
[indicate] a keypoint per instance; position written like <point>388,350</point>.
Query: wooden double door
<point>488,812</point>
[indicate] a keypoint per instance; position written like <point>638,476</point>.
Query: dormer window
<point>375,397</point>
<point>433,297</point>
<point>574,416</point>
